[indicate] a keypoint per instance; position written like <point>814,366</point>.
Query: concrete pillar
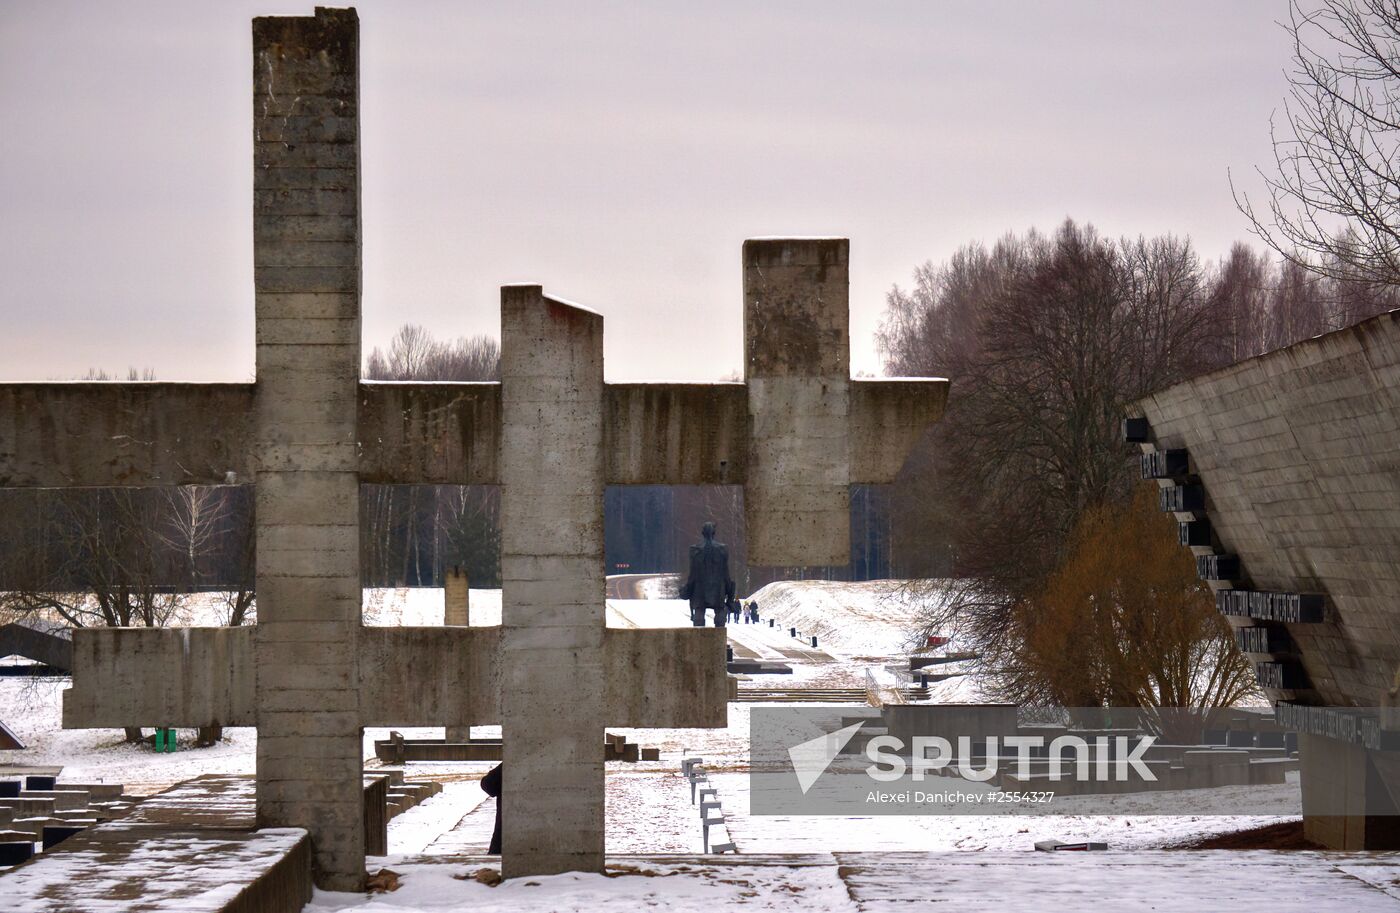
<point>456,610</point>
<point>306,248</point>
<point>456,597</point>
<point>797,366</point>
<point>552,687</point>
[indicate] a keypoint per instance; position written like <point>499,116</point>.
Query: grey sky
<point>618,153</point>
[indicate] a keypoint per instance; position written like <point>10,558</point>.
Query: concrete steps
<point>37,803</point>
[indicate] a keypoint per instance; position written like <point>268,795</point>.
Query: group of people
<point>748,611</point>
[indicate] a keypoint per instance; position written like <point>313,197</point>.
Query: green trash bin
<point>165,739</point>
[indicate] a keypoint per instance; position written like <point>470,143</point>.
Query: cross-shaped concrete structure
<point>797,434</point>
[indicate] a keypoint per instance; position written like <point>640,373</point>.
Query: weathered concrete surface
<point>306,270</point>
<point>665,677</point>
<point>430,676</point>
<point>55,435</point>
<point>699,434</point>
<point>159,857</point>
<point>143,434</point>
<point>1299,455</point>
<point>565,676</point>
<point>797,368</point>
<point>443,433</point>
<point>140,434</point>
<point>552,577</point>
<point>456,610</point>
<point>676,434</point>
<point>456,597</point>
<point>191,677</point>
<point>185,677</point>
<point>888,417</point>
<point>1346,805</point>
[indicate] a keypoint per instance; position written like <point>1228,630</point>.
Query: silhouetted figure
<point>491,785</point>
<point>709,586</point>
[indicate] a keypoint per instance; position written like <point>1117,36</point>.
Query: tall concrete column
<point>306,246</point>
<point>797,366</point>
<point>552,688</point>
<point>456,610</point>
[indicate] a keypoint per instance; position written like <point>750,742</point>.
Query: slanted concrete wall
<point>1299,455</point>
<point>797,367</point>
<point>51,645</point>
<point>553,585</point>
<point>306,265</point>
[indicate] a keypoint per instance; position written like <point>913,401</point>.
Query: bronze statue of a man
<point>709,586</point>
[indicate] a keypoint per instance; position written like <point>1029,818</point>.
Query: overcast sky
<point>617,153</point>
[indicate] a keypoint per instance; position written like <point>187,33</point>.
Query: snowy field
<point>859,626</point>
<point>1161,882</point>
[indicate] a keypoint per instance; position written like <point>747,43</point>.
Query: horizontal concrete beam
<point>676,434</point>
<point>191,677</point>
<point>888,417</point>
<point>61,435</point>
<point>448,676</point>
<point>441,433</point>
<point>160,677</point>
<point>666,678</point>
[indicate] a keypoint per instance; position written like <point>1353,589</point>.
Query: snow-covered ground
<point>1161,882</point>
<point>859,626</point>
<point>874,619</point>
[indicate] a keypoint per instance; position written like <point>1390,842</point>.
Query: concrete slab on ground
<point>190,849</point>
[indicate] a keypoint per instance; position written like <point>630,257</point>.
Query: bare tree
<point>415,354</point>
<point>1123,621</point>
<point>125,557</point>
<point>1333,203</point>
<point>1239,306</point>
<point>1045,340</point>
<point>132,374</point>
